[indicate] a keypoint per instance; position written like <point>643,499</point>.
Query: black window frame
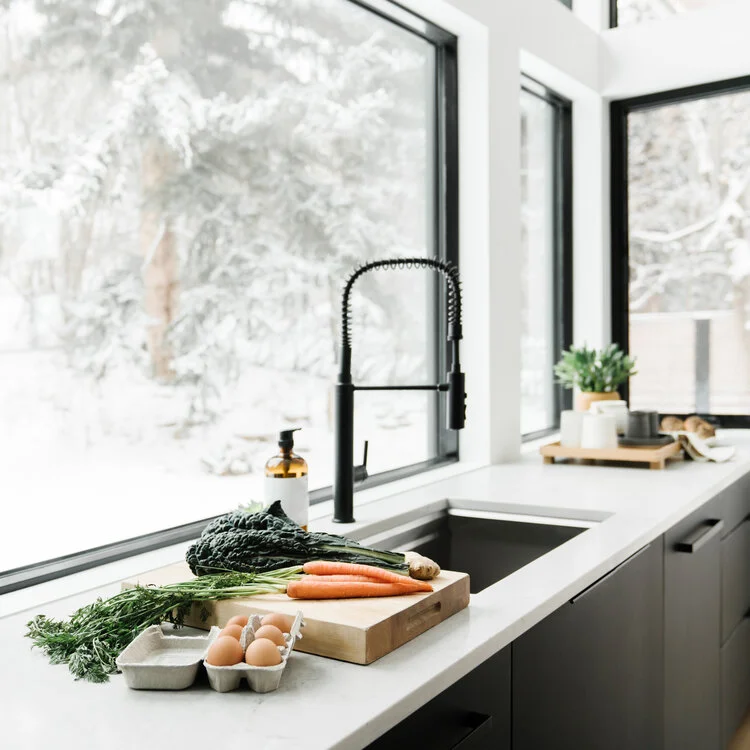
<point>563,239</point>
<point>446,234</point>
<point>620,268</point>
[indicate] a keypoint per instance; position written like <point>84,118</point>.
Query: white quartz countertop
<point>324,703</point>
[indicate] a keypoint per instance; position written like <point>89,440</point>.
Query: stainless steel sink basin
<point>488,546</point>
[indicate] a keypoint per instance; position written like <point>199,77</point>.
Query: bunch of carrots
<point>336,580</point>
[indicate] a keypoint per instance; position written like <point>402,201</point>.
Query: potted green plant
<point>596,374</point>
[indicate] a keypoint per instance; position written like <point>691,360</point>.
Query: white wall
<point>497,40</point>
<point>697,47</point>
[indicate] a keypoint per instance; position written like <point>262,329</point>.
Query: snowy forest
<point>689,244</point>
<point>634,11</point>
<point>183,189</point>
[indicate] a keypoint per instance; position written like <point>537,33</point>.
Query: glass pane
<point>689,169</point>
<point>184,188</point>
<point>538,119</point>
<point>635,11</point>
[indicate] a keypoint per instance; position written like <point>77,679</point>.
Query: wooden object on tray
<point>354,630</point>
<point>655,456</point>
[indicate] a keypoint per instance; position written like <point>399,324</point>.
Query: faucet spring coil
<point>448,270</point>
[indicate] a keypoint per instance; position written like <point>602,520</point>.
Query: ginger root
<point>422,568</point>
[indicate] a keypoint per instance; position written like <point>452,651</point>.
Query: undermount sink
<point>488,546</point>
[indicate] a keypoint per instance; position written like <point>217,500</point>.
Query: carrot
<point>325,568</point>
<point>406,583</point>
<point>343,579</point>
<point>306,589</point>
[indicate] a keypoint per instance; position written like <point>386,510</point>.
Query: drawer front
<point>471,714</point>
<point>692,633</point>
<point>735,579</point>
<point>711,512</point>
<point>735,504</point>
<point>589,676</point>
<point>735,680</point>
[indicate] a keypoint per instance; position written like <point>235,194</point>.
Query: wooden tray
<point>655,457</point>
<point>355,630</point>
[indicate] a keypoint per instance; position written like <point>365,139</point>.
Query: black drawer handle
<point>481,725</point>
<point>700,537</point>
<point>607,576</point>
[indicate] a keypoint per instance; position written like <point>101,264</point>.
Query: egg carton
<point>156,660</point>
<point>260,679</point>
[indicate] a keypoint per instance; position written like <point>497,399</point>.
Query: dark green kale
<point>269,539</point>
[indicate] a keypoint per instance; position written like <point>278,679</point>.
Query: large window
<point>185,187</point>
<point>546,246</point>
<point>681,171</point>
<point>625,12</point>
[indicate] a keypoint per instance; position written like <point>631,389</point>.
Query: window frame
<point>562,302</point>
<point>612,14</point>
<point>619,227</point>
<point>446,236</point>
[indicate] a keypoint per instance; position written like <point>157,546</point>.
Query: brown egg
<point>240,620</point>
<point>262,653</point>
<point>234,631</point>
<point>224,652</point>
<point>282,622</point>
<point>272,633</point>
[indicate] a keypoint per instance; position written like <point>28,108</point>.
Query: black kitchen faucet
<point>345,471</point>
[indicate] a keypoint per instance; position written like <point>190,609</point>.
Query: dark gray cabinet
<point>735,608</point>
<point>735,579</point>
<point>692,631</point>
<point>590,675</point>
<point>735,680</point>
<point>472,714</point>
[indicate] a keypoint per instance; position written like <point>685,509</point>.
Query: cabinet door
<point>692,632</point>
<point>472,714</point>
<point>733,503</point>
<point>735,579</point>
<point>590,676</point>
<point>735,680</point>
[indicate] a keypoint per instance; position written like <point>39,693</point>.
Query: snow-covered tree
<point>215,168</point>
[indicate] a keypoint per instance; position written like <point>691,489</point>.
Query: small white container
<point>599,431</point>
<point>616,409</point>
<point>571,423</point>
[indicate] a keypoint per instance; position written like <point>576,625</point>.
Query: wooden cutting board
<point>355,630</point>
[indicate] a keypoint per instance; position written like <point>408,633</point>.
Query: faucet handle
<point>360,472</point>
<point>456,401</point>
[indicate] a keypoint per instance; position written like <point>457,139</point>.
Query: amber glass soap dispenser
<point>286,480</point>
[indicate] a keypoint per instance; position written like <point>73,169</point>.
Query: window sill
<point>323,511</point>
<point>533,444</point>
<point>113,572</point>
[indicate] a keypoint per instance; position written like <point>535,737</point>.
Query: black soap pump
<point>286,480</point>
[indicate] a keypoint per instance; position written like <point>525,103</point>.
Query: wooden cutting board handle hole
<point>422,616</point>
